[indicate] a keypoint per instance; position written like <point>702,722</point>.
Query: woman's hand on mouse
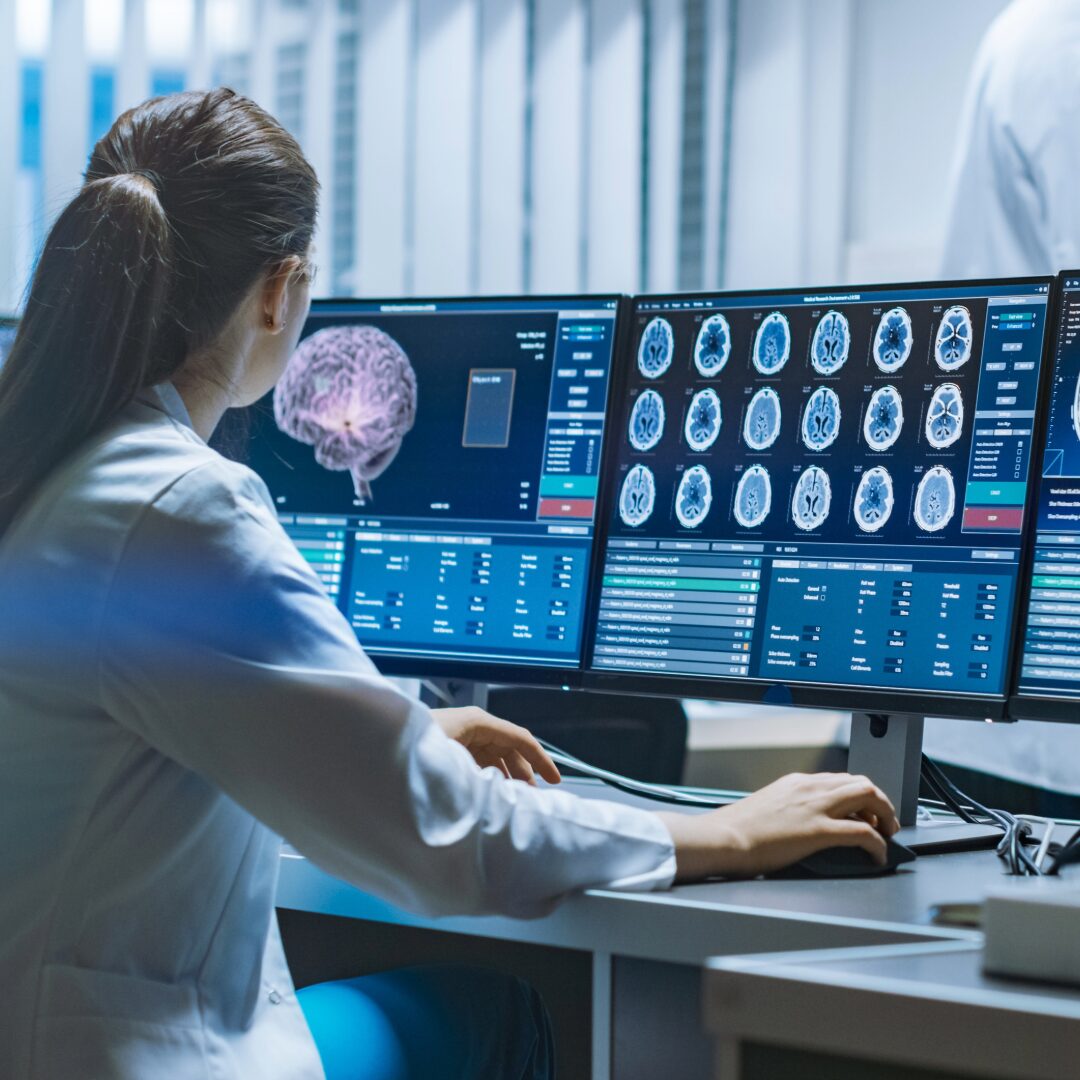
<point>788,820</point>
<point>492,741</point>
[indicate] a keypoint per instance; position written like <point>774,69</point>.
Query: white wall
<point>844,118</point>
<point>907,112</point>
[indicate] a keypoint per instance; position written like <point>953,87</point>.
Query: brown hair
<point>187,200</point>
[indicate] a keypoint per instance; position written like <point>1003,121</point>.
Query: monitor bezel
<point>487,670</point>
<point>806,695</point>
<point>1062,710</point>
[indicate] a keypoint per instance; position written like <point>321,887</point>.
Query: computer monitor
<point>437,462</point>
<point>8,328</point>
<point>818,497</point>
<point>1047,683</point>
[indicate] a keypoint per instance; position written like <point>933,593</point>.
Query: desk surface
<point>690,923</point>
<point>927,1006</point>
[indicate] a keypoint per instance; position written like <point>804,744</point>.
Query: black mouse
<point>838,862</point>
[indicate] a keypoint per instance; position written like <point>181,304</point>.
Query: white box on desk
<point>1033,931</point>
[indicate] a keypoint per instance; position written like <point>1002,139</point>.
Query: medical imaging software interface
<point>1051,644</point>
<point>437,464</point>
<point>823,488</point>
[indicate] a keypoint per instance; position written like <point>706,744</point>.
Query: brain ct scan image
<point>873,499</point>
<point>935,499</point>
<point>703,420</point>
<point>945,416</point>
<point>713,346</point>
<point>832,340</point>
<point>952,346</point>
<point>646,421</point>
<point>694,497</point>
<point>810,503</point>
<point>762,424</point>
<point>821,419</point>
<point>350,392</point>
<point>656,349</point>
<point>638,496</point>
<point>772,343</point>
<point>753,497</point>
<point>884,418</point>
<point>893,339</point>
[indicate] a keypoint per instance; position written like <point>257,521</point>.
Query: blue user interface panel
<point>1050,661</point>
<point>437,463</point>
<point>822,489</point>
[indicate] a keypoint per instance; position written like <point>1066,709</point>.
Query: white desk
<point>902,1011</point>
<point>689,924</point>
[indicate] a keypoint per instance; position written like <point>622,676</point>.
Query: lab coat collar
<point>166,398</point>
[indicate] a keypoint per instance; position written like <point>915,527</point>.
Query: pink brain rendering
<point>350,392</point>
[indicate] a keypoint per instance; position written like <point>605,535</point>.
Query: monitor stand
<point>888,749</point>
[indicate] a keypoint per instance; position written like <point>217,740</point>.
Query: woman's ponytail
<point>187,200</point>
<point>84,345</point>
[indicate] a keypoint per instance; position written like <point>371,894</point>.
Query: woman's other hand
<point>492,741</point>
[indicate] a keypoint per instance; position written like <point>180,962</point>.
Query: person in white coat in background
<point>177,691</point>
<point>1014,210</point>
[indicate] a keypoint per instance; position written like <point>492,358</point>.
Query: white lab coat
<point>176,694</point>
<point>1015,210</point>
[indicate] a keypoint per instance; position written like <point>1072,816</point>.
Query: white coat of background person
<point>1015,210</point>
<point>177,690</point>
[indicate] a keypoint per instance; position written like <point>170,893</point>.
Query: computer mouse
<point>838,862</point>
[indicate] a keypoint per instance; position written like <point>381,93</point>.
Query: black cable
<point>1011,849</point>
<point>659,792</point>
<point>1068,854</point>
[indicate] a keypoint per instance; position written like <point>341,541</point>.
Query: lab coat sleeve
<point>220,648</point>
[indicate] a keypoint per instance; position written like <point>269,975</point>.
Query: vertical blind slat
<point>443,227</point>
<point>666,45</point>
<point>9,156</point>
<point>66,114</point>
<point>558,135</point>
<point>499,195</point>
<point>614,146</point>
<point>383,89</point>
<point>199,68</point>
<point>318,124</point>
<point>716,81</point>
<point>133,74</point>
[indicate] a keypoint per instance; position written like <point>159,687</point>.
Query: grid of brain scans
<point>800,477</point>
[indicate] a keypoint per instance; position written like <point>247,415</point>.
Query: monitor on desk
<point>1048,655</point>
<point>437,463</point>
<point>819,497</point>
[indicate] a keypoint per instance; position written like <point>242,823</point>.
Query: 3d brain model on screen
<point>350,392</point>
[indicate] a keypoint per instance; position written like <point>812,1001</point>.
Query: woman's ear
<point>275,293</point>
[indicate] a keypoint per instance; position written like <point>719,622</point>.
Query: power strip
<point>1033,931</point>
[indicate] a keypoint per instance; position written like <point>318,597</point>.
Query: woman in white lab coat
<point>177,692</point>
